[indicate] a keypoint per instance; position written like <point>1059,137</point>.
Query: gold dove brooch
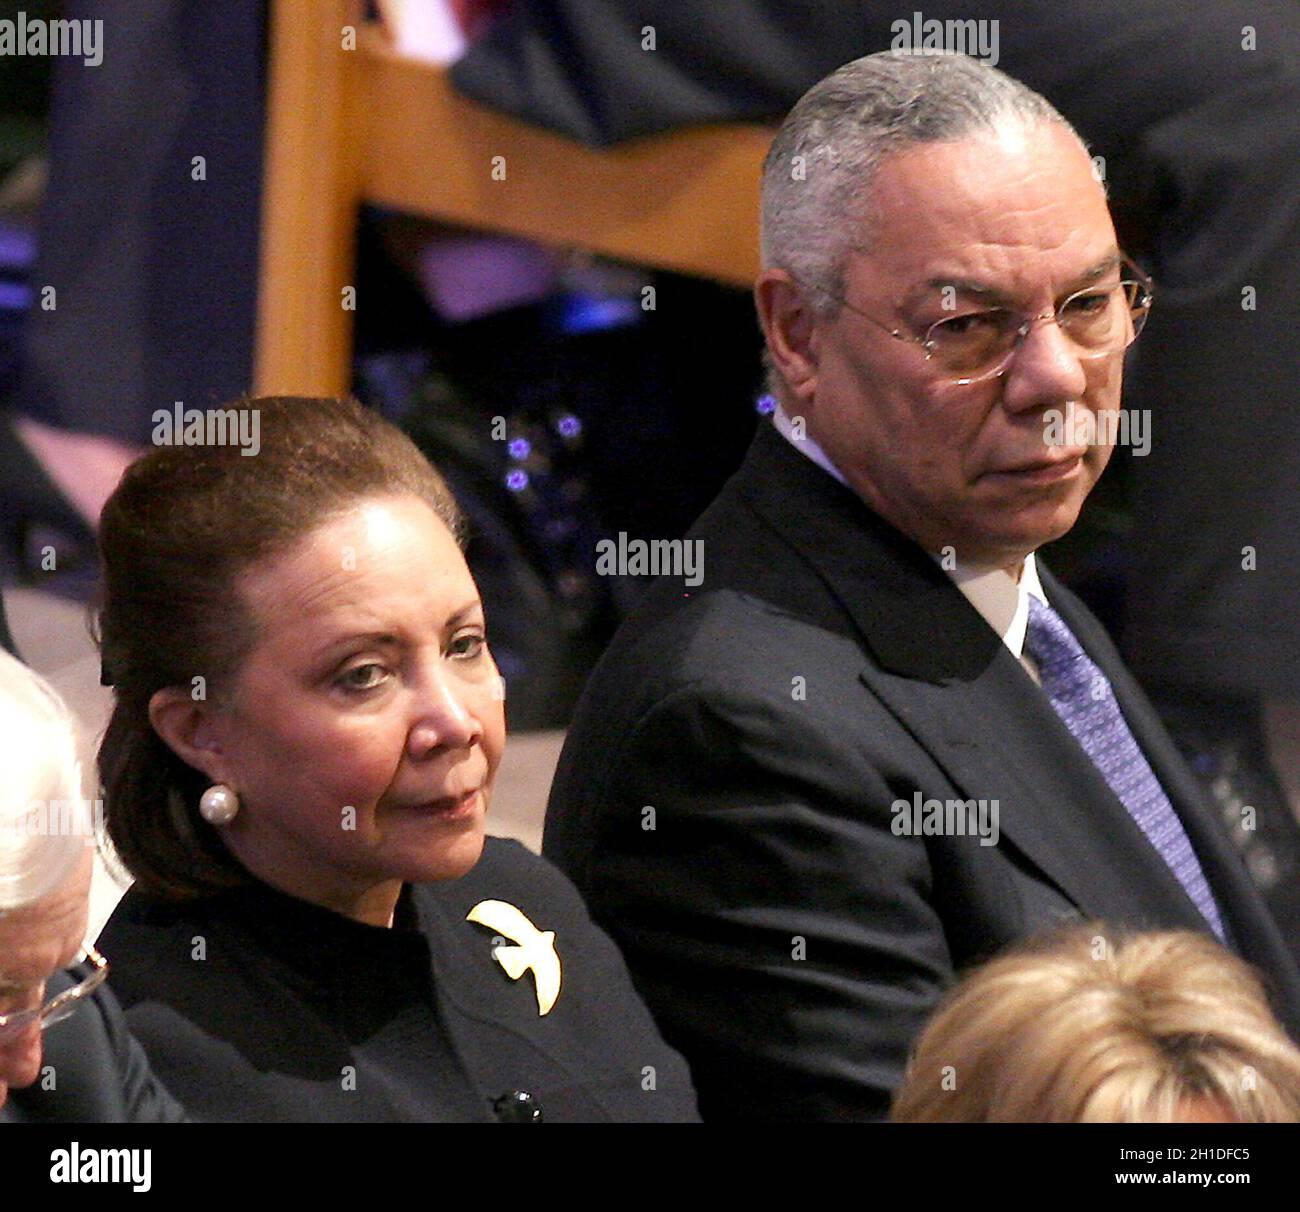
<point>534,949</point>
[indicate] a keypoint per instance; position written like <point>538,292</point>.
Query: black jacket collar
<point>909,613</point>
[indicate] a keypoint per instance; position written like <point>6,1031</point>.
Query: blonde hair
<point>44,823</point>
<point>1083,1027</point>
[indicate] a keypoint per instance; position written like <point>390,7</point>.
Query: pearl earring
<point>219,805</point>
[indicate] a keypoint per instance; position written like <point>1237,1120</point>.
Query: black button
<point>517,1107</point>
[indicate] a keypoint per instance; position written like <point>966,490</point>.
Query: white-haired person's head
<point>44,826</point>
<point>1086,1025</point>
<point>45,861</point>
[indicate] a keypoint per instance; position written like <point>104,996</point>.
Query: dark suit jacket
<point>723,801</point>
<point>100,1075</point>
<point>256,1006</point>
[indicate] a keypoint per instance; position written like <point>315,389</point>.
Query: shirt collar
<point>803,443</point>
<point>1002,602</point>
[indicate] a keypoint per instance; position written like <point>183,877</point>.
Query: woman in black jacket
<point>301,757</point>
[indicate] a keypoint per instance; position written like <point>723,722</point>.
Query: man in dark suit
<point>878,741</point>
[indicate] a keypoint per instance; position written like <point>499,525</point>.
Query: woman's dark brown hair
<point>174,537</point>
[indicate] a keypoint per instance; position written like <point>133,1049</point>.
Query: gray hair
<point>44,821</point>
<point>819,169</point>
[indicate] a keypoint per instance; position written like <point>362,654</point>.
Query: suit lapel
<point>949,679</point>
<point>997,737</point>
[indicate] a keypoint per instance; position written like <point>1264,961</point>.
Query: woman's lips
<point>450,807</point>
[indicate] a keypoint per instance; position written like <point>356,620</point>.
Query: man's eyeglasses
<point>57,1008</point>
<point>979,344</point>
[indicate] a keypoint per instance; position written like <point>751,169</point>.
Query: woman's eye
<point>362,677</point>
<point>467,646</point>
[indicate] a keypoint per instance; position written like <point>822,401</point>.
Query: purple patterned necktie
<point>1083,698</point>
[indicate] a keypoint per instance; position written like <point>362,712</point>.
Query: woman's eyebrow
<point>385,638</point>
<point>470,608</point>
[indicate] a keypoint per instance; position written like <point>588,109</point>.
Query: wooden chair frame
<point>349,122</point>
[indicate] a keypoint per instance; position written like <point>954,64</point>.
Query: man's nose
<point>442,716</point>
<point>1045,370</point>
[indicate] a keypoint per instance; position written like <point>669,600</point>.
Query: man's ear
<point>188,728</point>
<point>790,329</point>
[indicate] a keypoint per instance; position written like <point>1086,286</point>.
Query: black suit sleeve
<point>94,1070</point>
<point>568,64</point>
<point>784,938</point>
<point>144,1098</point>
